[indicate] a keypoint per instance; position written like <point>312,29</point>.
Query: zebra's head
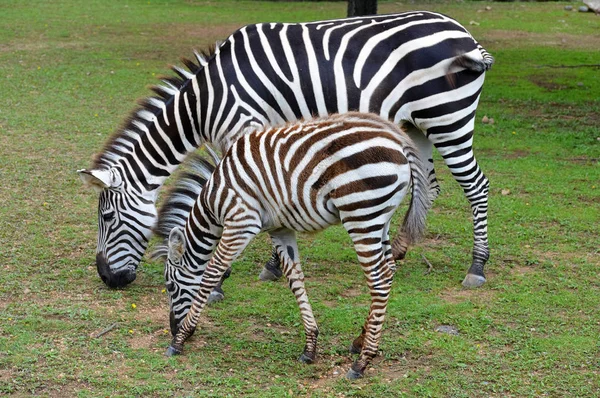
<point>125,221</point>
<point>182,280</point>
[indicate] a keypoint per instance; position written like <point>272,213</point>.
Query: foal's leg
<point>387,246</point>
<point>379,273</point>
<point>231,245</point>
<point>284,241</point>
<point>357,344</point>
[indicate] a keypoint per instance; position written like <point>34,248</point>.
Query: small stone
<point>474,23</point>
<point>26,291</point>
<point>448,329</point>
<point>505,192</point>
<point>583,9</point>
<point>491,120</point>
<point>488,8</point>
<point>485,119</point>
<point>568,8</point>
<point>336,372</point>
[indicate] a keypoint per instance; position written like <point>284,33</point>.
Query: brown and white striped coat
<point>352,168</point>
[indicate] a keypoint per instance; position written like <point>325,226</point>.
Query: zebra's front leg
<point>212,276</point>
<point>284,243</point>
<point>232,244</point>
<point>272,269</point>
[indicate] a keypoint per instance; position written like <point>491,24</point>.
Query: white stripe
<point>313,67</point>
<point>396,57</point>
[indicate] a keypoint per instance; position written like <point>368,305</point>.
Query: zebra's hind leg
<point>272,269</point>
<point>284,242</point>
<point>400,243</point>
<point>379,271</point>
<point>466,172</point>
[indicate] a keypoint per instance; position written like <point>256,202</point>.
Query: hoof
<point>398,256</point>
<point>306,359</point>
<point>215,297</point>
<point>266,275</point>
<point>171,351</point>
<point>353,374</point>
<point>473,281</point>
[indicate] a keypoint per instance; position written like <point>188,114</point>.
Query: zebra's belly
<point>300,218</point>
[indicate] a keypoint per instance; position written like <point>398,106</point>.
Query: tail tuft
<point>413,226</point>
<point>476,65</point>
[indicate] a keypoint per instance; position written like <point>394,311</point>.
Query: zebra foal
<point>306,176</point>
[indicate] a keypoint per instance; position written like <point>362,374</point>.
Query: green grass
<point>70,73</point>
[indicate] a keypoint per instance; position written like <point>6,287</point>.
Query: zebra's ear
<point>176,244</point>
<point>99,179</point>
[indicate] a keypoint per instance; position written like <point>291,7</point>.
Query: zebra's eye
<point>109,216</point>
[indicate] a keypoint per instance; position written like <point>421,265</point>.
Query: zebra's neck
<point>164,130</point>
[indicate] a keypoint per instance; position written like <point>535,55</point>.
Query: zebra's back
<point>370,64</point>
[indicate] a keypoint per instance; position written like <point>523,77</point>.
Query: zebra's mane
<point>180,199</point>
<point>141,118</point>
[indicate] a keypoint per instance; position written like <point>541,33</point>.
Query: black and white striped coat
<point>419,69</point>
<point>305,176</point>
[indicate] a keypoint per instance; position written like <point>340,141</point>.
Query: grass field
<point>70,73</point>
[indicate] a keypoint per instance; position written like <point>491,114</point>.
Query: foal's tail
<point>413,226</point>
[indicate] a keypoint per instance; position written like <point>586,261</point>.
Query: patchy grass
<point>70,73</point>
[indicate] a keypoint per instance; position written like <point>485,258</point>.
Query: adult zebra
<point>352,169</point>
<point>421,69</point>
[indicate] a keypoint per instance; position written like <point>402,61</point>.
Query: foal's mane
<point>179,200</point>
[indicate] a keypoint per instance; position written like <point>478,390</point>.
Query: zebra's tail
<point>179,201</point>
<point>474,64</point>
<point>466,61</point>
<point>413,226</point>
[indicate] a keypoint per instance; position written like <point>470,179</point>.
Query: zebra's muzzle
<point>111,278</point>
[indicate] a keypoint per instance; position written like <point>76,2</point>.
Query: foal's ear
<point>99,179</point>
<point>176,244</point>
